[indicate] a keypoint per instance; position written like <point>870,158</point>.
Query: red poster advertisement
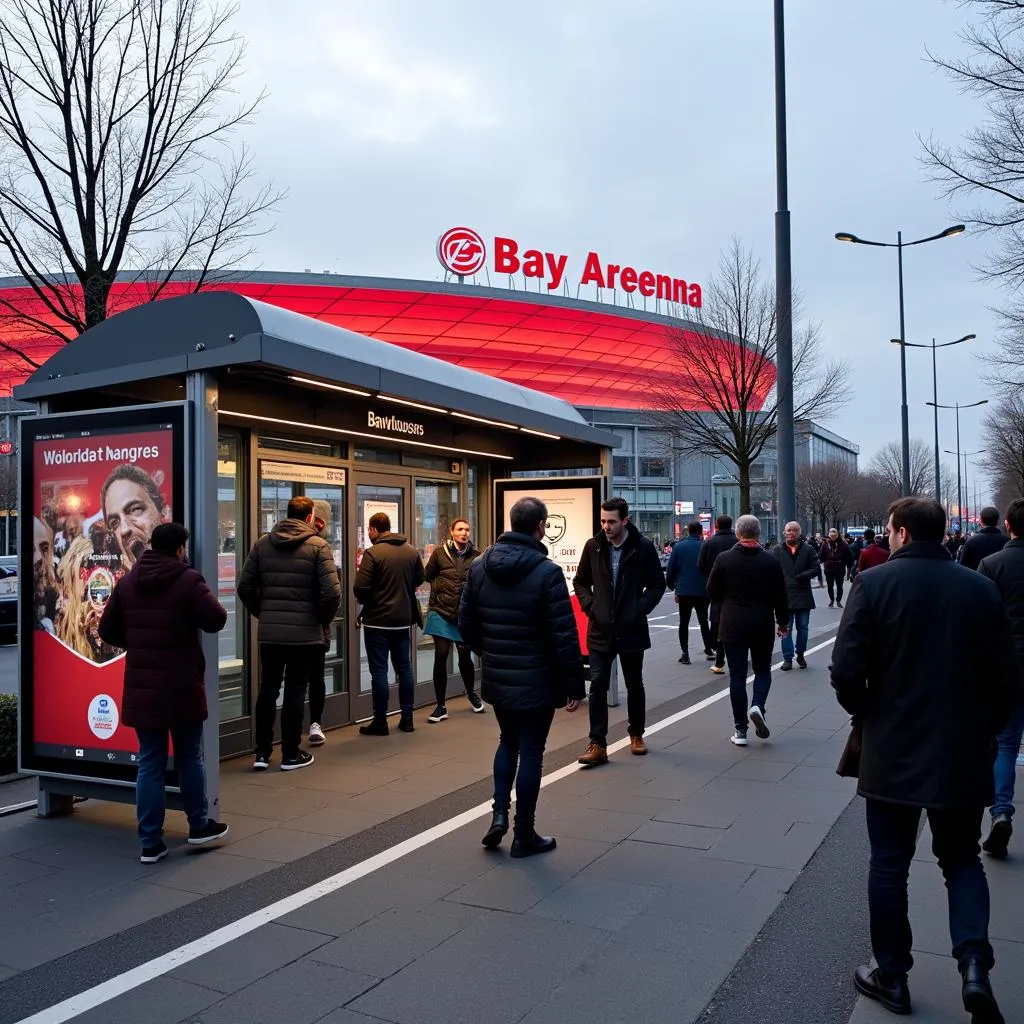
<point>96,496</point>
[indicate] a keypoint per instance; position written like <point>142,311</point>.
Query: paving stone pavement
<point>668,869</point>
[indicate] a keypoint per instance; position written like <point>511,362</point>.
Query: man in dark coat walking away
<point>723,540</point>
<point>690,586</point>
<point>389,573</point>
<point>619,583</point>
<point>1006,570</point>
<point>748,584</point>
<point>835,557</point>
<point>290,583</point>
<point>987,541</point>
<point>155,614</point>
<point>799,566</point>
<point>515,613</point>
<point>929,707</point>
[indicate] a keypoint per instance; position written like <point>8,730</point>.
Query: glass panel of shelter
<point>279,483</point>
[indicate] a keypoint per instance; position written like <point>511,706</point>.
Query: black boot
<point>684,658</point>
<point>998,838</point>
<point>376,727</point>
<point>979,1001</point>
<point>534,845</point>
<point>405,723</point>
<point>892,993</point>
<point>497,831</point>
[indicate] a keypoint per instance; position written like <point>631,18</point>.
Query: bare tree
<point>887,464</point>
<point>870,498</point>
<point>824,489</point>
<point>116,118</point>
<point>720,397</point>
<point>1004,431</point>
<point>988,166</point>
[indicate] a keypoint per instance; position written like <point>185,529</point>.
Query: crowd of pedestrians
<point>936,723</point>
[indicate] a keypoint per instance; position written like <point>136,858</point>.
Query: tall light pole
<point>958,407</point>
<point>935,395</point>
<point>899,245</point>
<point>784,440</point>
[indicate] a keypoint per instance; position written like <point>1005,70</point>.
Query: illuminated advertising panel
<point>95,485</point>
<point>574,516</point>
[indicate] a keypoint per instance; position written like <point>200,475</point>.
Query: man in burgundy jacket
<point>874,553</point>
<point>155,614</point>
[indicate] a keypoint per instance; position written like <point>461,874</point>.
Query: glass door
<point>325,486</point>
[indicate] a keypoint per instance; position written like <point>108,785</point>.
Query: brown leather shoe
<point>637,745</point>
<point>595,754</point>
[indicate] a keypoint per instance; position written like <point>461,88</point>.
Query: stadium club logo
<point>461,251</point>
<point>554,529</point>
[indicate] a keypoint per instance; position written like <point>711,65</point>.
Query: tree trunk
<point>744,475</point>
<point>96,284</point>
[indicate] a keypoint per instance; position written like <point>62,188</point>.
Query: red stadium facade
<point>591,354</point>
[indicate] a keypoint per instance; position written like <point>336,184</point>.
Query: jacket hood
<point>513,557</point>
<point>291,533</point>
<point>155,572</point>
<point>397,539</point>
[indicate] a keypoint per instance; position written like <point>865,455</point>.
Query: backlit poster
<point>96,487</point>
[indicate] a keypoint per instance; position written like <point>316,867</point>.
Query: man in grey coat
<point>800,565</point>
<point>290,583</point>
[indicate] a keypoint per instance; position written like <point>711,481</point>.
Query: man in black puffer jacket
<point>515,613</point>
<point>290,583</point>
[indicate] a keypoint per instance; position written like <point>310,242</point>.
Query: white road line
<point>161,965</point>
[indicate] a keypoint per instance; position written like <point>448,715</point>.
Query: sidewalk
<point>667,870</point>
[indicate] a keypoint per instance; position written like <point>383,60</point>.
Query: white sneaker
<point>316,735</point>
<point>760,725</point>
<point>738,738</point>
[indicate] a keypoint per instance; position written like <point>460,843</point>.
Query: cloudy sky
<point>646,132</point>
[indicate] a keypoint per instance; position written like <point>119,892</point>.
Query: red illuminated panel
<point>586,357</point>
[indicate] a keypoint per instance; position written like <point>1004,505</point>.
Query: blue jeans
<point>150,794</point>
<point>1006,762</point>
<point>761,662</point>
<point>379,644</point>
<point>519,759</point>
<point>892,830</point>
<point>801,620</point>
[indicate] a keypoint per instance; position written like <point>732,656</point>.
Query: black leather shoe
<point>405,724</point>
<point>684,658</point>
<point>497,831</point>
<point>378,727</point>
<point>893,994</point>
<point>998,840</point>
<point>529,847</point>
<point>979,1001</point>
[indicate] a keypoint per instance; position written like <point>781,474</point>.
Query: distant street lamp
<point>967,489</point>
<point>935,394</point>
<point>899,245</point>
<point>958,407</point>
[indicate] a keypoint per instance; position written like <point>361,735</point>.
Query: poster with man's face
<point>97,496</point>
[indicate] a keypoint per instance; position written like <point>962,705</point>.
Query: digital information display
<point>95,485</point>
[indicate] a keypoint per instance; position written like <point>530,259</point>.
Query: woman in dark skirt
<point>446,573</point>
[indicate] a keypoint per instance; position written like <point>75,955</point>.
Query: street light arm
<point>973,405</point>
<point>959,341</point>
<point>846,236</point>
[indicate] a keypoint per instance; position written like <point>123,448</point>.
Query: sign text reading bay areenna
<point>462,252</point>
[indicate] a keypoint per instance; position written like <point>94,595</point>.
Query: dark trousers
<point>834,581</point>
<point>292,663</point>
<point>380,644</point>
<point>317,684</point>
<point>892,829</point>
<point>150,788</point>
<point>716,643</point>
<point>442,648</point>
<point>632,663</point>
<point>760,652</point>
<point>519,760</point>
<point>687,605</point>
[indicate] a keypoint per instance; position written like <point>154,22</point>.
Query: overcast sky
<point>646,132</point>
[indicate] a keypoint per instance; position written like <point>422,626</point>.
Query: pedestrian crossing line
<point>159,966</point>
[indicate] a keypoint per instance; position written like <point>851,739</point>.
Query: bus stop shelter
<point>215,410</point>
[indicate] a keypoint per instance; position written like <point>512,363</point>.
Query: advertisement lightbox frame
<point>33,429</point>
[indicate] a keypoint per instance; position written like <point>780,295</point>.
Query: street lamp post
<point>935,395</point>
<point>958,407</point>
<point>899,245</point>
